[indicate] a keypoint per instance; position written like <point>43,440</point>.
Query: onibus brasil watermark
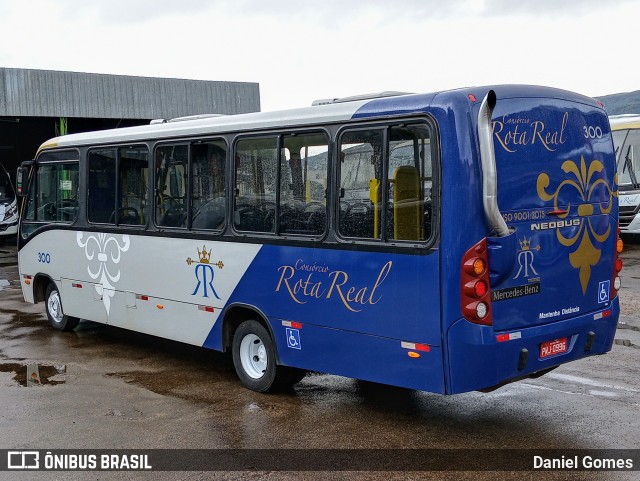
<point>321,460</point>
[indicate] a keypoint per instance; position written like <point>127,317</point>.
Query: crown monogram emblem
<point>525,245</point>
<point>204,257</point>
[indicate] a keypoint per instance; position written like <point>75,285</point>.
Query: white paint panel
<point>179,274</point>
<point>81,302</point>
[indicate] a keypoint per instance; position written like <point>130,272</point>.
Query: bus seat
<point>407,211</point>
<point>210,215</point>
<point>175,216</point>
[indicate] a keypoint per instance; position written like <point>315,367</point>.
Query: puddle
<point>624,325</point>
<point>47,373</point>
<point>625,343</point>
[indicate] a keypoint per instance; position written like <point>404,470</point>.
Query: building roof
<point>48,93</point>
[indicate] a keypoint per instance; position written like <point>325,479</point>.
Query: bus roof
<point>212,125</point>
<point>624,121</point>
<point>343,110</point>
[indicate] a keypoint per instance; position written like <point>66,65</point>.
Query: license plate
<point>551,348</point>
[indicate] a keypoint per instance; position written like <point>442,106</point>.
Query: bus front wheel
<point>254,357</point>
<point>57,318</point>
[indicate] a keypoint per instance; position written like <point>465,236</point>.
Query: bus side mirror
<point>21,177</point>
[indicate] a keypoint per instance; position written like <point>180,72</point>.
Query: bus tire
<point>254,357</point>
<point>57,318</point>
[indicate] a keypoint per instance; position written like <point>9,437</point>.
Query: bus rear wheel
<point>254,357</point>
<point>57,318</point>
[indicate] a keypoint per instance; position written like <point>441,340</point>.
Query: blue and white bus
<point>8,207</point>
<point>444,242</point>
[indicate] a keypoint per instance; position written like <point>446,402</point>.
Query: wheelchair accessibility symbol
<point>293,338</point>
<point>603,291</point>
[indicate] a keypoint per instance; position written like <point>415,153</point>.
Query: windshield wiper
<point>632,173</point>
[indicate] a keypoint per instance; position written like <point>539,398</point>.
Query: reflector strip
<point>509,337</point>
<point>295,325</point>
<point>79,286</point>
<point>602,314</point>
<point>206,308</point>
<point>416,347</point>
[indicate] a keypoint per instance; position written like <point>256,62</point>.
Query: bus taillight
<point>616,283</point>
<point>475,295</point>
<point>480,288</point>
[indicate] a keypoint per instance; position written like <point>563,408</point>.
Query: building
<point>36,105</point>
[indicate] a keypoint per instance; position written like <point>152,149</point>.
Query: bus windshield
<point>628,157</point>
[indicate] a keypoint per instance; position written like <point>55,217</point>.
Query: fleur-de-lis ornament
<point>585,181</point>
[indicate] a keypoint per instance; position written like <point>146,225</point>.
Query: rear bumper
<point>477,360</point>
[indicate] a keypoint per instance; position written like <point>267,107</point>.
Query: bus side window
<point>102,186</point>
<point>398,210</point>
<point>256,176</point>
<point>303,184</point>
<point>171,185</point>
<point>208,204</point>
<point>132,197</point>
<point>360,182</point>
<point>410,179</point>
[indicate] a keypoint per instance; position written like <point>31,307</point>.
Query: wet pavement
<point>107,388</point>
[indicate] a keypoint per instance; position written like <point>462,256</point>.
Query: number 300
<point>592,132</point>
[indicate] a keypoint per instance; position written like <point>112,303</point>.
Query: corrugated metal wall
<point>47,93</point>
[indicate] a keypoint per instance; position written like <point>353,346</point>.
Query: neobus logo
<point>556,224</point>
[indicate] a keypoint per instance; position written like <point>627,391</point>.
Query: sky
<point>302,50</point>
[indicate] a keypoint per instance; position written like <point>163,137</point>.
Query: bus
<point>8,206</point>
<point>443,242</point>
<point>626,140</point>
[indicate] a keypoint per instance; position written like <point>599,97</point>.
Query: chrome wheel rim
<point>54,306</point>
<point>253,356</point>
